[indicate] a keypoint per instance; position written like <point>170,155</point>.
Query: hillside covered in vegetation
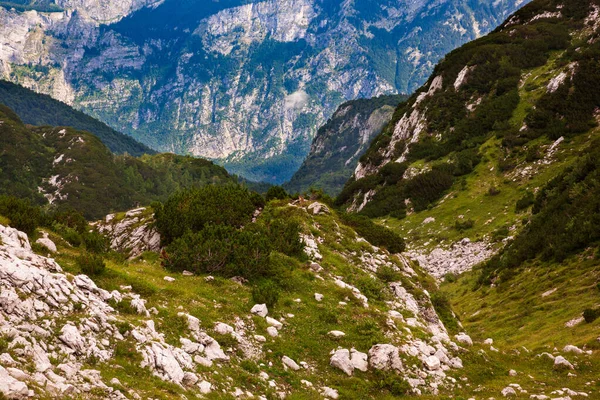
<point>68,168</point>
<point>532,81</point>
<point>38,109</point>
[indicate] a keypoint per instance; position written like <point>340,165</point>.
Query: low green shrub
<point>464,225</point>
<point>591,314</point>
<point>266,292</point>
<point>442,307</point>
<point>95,242</point>
<point>276,193</point>
<point>525,202</point>
<point>392,383</point>
<point>388,274</point>
<point>372,288</point>
<point>21,213</point>
<point>91,264</point>
<point>376,234</point>
<point>196,208</point>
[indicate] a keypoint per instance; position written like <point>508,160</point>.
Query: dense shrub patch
<point>210,231</point>
<point>91,264</point>
<point>565,220</point>
<point>193,209</point>
<point>376,234</point>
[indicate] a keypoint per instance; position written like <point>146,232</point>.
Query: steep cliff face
<point>243,82</point>
<point>341,142</point>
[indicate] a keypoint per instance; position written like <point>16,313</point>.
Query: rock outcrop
<point>132,233</point>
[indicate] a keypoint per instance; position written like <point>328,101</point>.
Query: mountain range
<point>245,83</point>
<point>461,260</point>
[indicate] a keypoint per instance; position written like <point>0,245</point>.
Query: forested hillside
<point>36,109</point>
<point>74,169</point>
<point>341,142</point>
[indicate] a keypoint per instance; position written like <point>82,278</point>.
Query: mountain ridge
<point>38,109</point>
<point>248,96</point>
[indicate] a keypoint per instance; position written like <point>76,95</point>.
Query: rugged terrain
<point>341,142</point>
<point>38,109</point>
<point>490,173</point>
<point>64,334</point>
<point>244,82</point>
<point>68,168</point>
<point>465,156</point>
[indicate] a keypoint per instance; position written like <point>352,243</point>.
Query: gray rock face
<point>288,362</point>
<point>341,360</point>
<point>133,234</point>
<point>11,387</point>
<point>385,357</point>
<point>287,66</point>
<point>338,145</point>
<point>260,309</point>
<point>50,314</point>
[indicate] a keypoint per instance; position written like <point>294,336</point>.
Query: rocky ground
<point>58,329</point>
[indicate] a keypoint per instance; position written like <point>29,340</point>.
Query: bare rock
<point>561,363</point>
<point>260,309</point>
<point>509,392</point>
<point>463,338</point>
<point>289,363</point>
<point>572,349</point>
<point>12,388</point>
<point>330,393</point>
<point>359,360</point>
<point>341,360</point>
<point>385,357</point>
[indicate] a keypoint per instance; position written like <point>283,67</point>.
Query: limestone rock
<point>432,363</point>
<point>359,360</point>
<point>273,322</point>
<point>561,363</point>
<point>205,387</point>
<point>463,338</point>
<point>12,388</point>
<point>341,360</point>
<point>385,357</point>
<point>260,309</point>
<point>47,243</point>
<point>509,392</point>
<point>572,349</point>
<point>330,393</point>
<point>288,362</point>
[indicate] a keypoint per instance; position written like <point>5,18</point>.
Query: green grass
<point>517,317</point>
<point>304,336</point>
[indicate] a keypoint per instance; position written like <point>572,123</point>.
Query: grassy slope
<point>472,199</point>
<point>515,315</point>
<point>303,338</point>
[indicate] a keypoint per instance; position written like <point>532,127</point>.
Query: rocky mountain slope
<point>38,109</point>
<point>358,322</point>
<point>66,168</point>
<point>185,334</point>
<point>465,155</point>
<point>341,142</point>
<point>243,82</point>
